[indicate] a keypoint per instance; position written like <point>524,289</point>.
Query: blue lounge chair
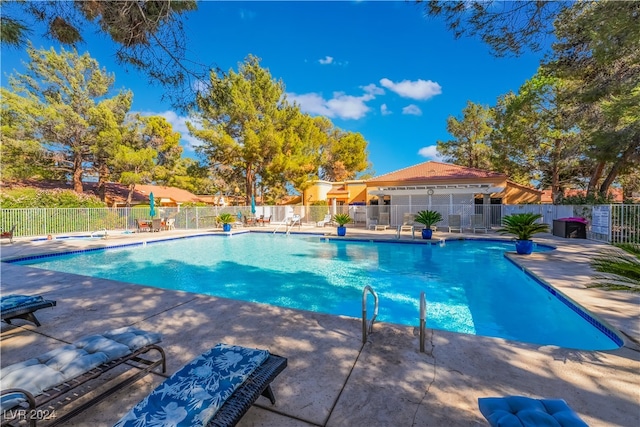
<point>22,307</point>
<point>215,389</point>
<point>520,411</point>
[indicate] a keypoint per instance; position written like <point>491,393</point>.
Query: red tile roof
<point>615,193</point>
<point>429,171</point>
<point>177,195</point>
<point>117,193</point>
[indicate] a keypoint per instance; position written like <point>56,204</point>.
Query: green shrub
<point>226,218</point>
<point>621,269</point>
<point>342,219</point>
<point>523,225</point>
<point>58,198</point>
<point>428,218</point>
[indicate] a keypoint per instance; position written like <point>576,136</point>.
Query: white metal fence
<point>609,223</point>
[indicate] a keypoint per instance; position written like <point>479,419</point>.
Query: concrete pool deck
<point>332,379</point>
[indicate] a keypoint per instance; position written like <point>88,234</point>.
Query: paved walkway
<point>332,379</point>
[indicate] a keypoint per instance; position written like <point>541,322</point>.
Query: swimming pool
<point>470,286</point>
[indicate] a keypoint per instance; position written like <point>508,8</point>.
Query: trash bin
<point>575,228</point>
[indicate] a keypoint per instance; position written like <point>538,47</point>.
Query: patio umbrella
<point>253,204</point>
<point>152,207</point>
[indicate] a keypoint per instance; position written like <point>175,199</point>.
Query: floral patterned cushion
<point>193,395</point>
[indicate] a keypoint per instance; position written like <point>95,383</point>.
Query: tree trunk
<point>102,181</point>
<point>130,194</point>
<point>249,185</point>
<point>617,165</point>
<point>595,177</point>
<point>556,191</point>
<point>77,173</point>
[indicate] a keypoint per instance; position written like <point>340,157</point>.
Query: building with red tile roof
<point>426,183</point>
<point>116,194</point>
<point>168,196</point>
<point>615,194</point>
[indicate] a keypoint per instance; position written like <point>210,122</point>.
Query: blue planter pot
<point>524,247</point>
<point>342,231</point>
<point>427,233</point>
<point>226,227</point>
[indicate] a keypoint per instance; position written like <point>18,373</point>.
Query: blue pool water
<point>470,286</point>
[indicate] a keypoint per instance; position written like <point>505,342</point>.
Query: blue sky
<point>378,68</point>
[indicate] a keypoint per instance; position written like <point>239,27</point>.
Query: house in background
<point>615,194</point>
<point>435,183</point>
<point>448,188</point>
<point>168,196</point>
<point>428,183</point>
<point>352,192</point>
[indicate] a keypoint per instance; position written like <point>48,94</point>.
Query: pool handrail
<point>368,328</point>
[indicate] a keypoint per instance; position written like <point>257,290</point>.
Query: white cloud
<point>419,89</point>
<point>347,106</point>
<point>179,124</point>
<point>327,60</point>
<point>372,90</point>
<point>385,110</point>
<point>430,152</point>
<point>311,103</point>
<point>341,105</point>
<point>412,110</point>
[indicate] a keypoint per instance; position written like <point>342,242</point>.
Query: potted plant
<point>523,226</point>
<point>342,219</point>
<point>226,219</point>
<point>428,219</point>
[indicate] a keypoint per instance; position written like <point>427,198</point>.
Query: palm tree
<point>621,268</point>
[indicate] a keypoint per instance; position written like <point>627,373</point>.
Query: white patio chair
<point>477,223</point>
<point>455,223</point>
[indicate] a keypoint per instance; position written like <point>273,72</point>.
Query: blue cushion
<point>193,395</point>
<point>12,301</point>
<point>520,411</point>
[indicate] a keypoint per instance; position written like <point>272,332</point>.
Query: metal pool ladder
<point>423,319</point>
<point>368,328</point>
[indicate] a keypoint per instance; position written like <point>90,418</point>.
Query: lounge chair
<point>38,381</point>
<point>383,222</point>
<point>8,234</point>
<point>250,221</point>
<point>520,411</point>
<point>264,220</point>
<point>455,223</point>
<point>156,224</point>
<point>295,219</point>
<point>215,389</point>
<point>408,224</point>
<point>22,307</point>
<point>477,223</point>
<point>327,220</point>
<point>143,225</point>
